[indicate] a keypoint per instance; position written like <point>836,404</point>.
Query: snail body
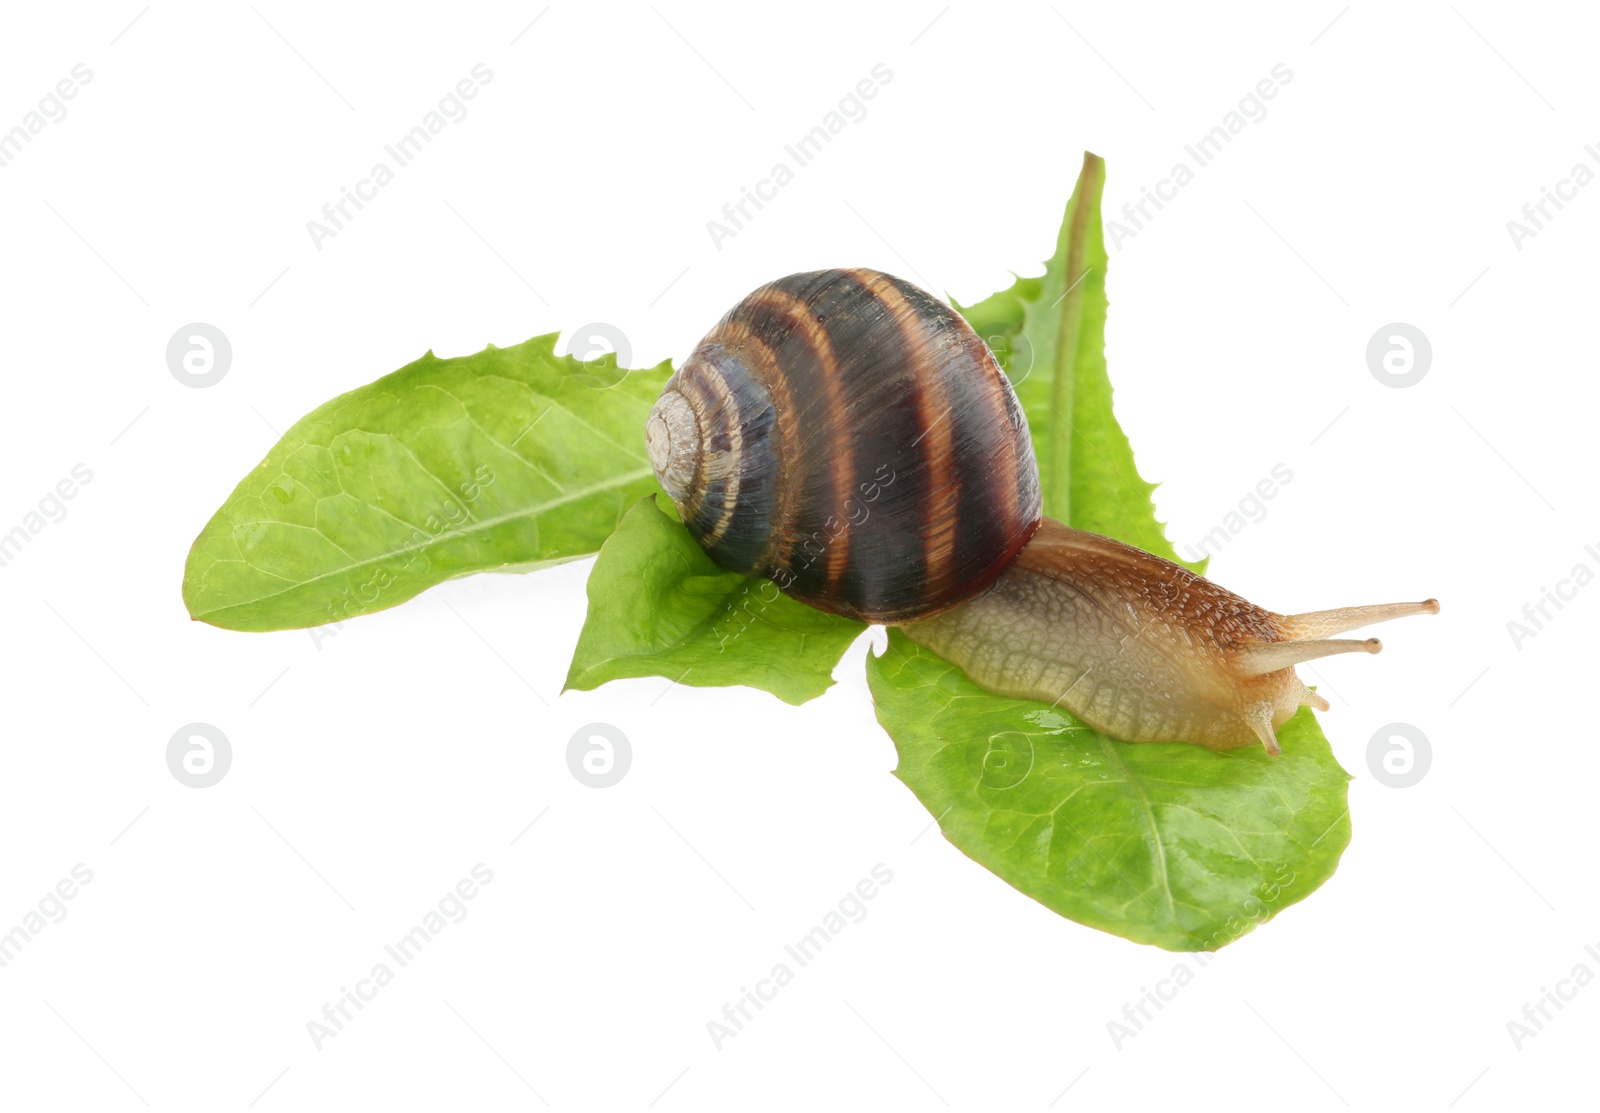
<point>847,435</point>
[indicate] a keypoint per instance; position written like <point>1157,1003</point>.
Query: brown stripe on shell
<point>814,335</point>
<point>998,393</point>
<point>936,439</point>
<point>740,340</point>
<point>733,423</point>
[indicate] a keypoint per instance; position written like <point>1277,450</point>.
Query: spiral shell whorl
<point>672,438</point>
<point>847,434</point>
<point>708,438</point>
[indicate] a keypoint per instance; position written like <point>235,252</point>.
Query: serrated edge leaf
<point>295,439</point>
<point>587,679</point>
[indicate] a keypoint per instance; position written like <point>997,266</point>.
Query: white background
<point>373,769</point>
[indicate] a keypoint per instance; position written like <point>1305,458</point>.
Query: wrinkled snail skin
<point>1139,648</point>
<point>847,435</point>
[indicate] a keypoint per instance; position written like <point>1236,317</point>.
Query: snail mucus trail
<point>847,434</point>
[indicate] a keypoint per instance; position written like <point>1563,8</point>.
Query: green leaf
<point>1166,843</point>
<point>658,606</point>
<point>509,457</point>
<point>1049,334</point>
<point>1162,843</point>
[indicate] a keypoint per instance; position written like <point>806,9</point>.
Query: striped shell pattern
<point>848,435</point>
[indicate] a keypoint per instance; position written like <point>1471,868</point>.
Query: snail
<point>847,435</point>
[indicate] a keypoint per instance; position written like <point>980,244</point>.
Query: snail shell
<point>849,436</point>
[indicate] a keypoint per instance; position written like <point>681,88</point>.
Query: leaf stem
<point>1063,386</point>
